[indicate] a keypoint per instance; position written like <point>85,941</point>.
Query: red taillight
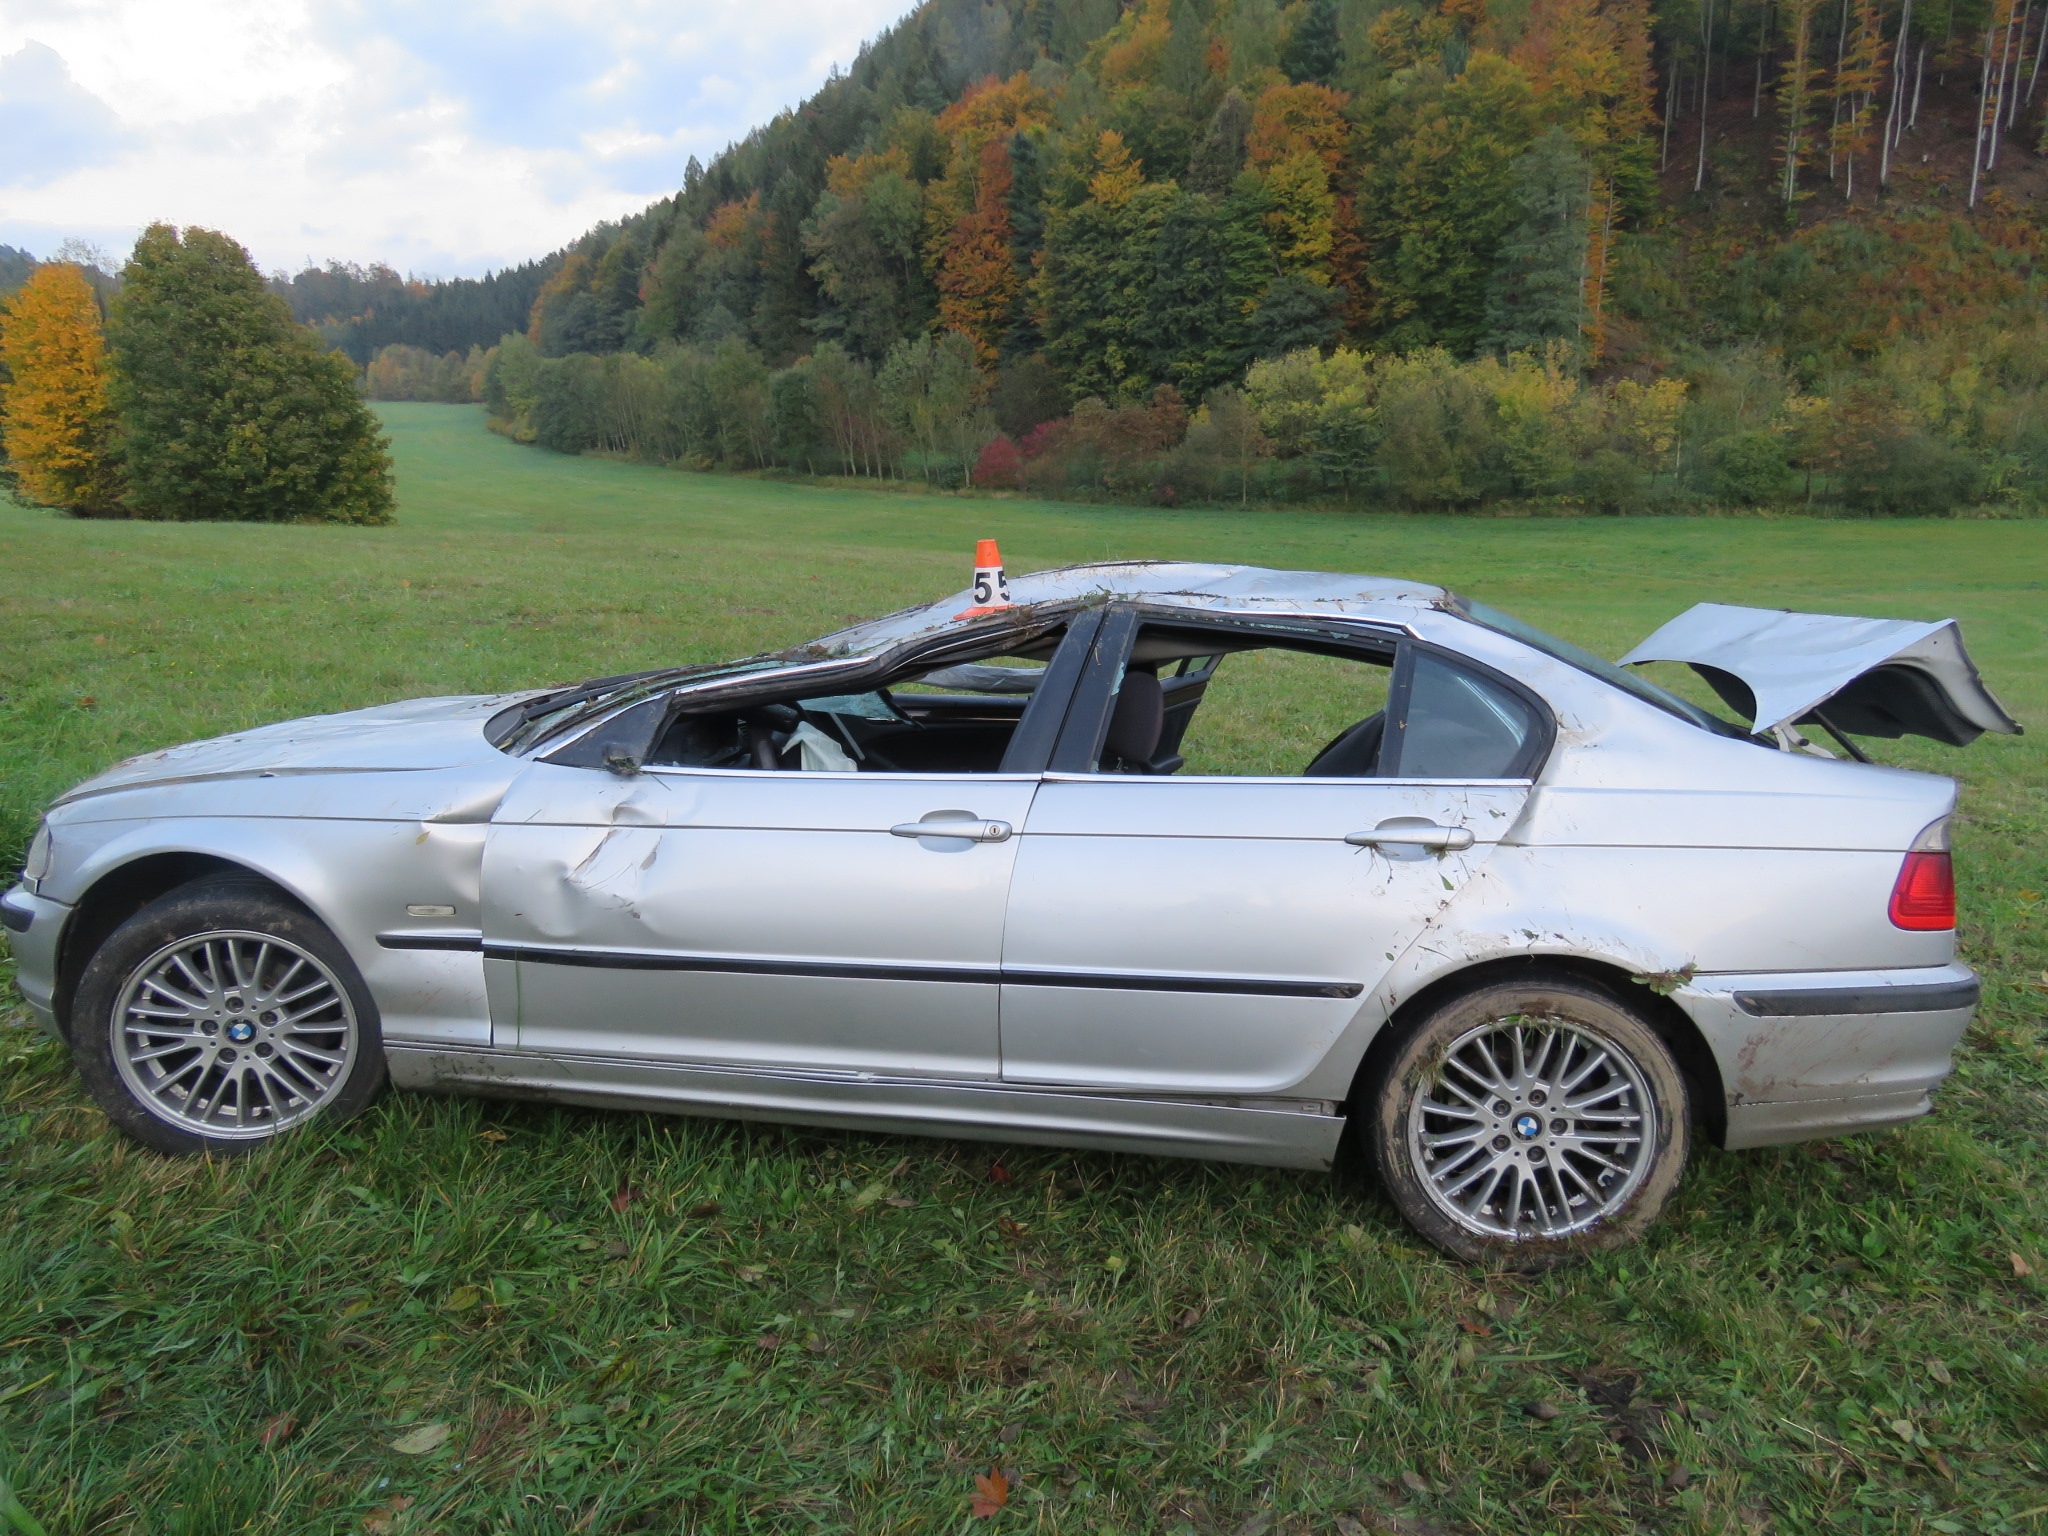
<point>1924,896</point>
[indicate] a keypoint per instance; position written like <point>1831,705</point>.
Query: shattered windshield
<point>1608,672</point>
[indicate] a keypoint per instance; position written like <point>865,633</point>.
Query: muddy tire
<point>1521,1125</point>
<point>222,1016</point>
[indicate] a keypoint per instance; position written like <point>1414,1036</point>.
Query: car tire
<point>282,1030</point>
<point>1467,1138</point>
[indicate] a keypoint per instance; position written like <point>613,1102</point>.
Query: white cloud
<point>443,136</point>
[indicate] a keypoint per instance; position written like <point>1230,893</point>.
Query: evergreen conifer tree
<point>1313,54</point>
<point>229,409</point>
<point>55,424</point>
<point>1538,291</point>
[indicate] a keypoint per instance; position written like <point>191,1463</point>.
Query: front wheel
<point>1524,1123</point>
<point>222,1015</point>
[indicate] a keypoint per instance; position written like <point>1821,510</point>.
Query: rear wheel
<point>221,1016</point>
<point>1522,1124</point>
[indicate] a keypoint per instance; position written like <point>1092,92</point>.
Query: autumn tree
<point>56,427</point>
<point>229,409</point>
<point>1857,77</point>
<point>1795,96</point>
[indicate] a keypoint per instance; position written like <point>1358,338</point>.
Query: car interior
<point>953,719</point>
<point>1299,709</point>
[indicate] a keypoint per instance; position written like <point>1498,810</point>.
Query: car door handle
<point>1424,835</point>
<point>971,831</point>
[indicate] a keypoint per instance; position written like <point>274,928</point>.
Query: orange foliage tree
<point>55,420</point>
<point>1590,63</point>
<point>978,280</point>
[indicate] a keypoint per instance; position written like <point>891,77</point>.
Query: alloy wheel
<point>234,1035</point>
<point>1532,1128</point>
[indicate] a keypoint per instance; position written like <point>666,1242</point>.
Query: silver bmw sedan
<point>1197,860</point>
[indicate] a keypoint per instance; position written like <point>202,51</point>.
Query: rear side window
<point>1459,725</point>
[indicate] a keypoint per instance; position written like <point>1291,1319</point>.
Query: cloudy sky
<point>446,137</point>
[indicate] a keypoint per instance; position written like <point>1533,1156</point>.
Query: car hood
<point>409,736</point>
<point>1868,677</point>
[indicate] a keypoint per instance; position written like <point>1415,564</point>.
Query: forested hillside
<point>1590,251</point>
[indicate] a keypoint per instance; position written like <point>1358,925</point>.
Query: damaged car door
<point>1208,921</point>
<point>794,912</point>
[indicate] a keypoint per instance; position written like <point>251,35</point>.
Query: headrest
<point>1135,724</point>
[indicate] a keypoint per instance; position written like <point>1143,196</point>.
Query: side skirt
<point>1278,1133</point>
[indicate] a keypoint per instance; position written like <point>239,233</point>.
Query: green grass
<point>1825,1338</point>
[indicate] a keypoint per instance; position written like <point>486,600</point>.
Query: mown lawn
<point>640,1324</point>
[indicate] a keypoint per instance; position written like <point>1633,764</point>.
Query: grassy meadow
<point>464,1317</point>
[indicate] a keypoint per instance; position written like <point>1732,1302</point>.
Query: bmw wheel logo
<point>1528,1127</point>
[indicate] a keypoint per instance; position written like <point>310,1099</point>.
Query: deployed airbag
<point>1867,677</point>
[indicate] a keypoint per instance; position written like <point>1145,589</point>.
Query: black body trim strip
<point>1811,1002</point>
<point>640,960</point>
<point>630,960</point>
<point>461,941</point>
<point>1246,986</point>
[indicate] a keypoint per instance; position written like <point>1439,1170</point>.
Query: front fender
<point>357,877</point>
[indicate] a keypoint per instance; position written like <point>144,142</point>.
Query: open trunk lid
<point>1863,677</point>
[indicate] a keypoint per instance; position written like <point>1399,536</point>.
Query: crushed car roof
<point>1169,583</point>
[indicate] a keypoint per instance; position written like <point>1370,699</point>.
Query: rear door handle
<point>968,830</point>
<point>1424,835</point>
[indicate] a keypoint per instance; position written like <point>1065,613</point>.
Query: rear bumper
<point>34,925</point>
<point>1816,1054</point>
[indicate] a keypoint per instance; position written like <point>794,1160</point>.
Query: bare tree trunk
<point>1983,94</point>
<point>1763,46</point>
<point>1919,79</point>
<point>2012,97</point>
<point>1670,105</point>
<point>1835,119</point>
<point>2040,42</point>
<point>1699,175</point>
<point>1891,118</point>
<point>1998,96</point>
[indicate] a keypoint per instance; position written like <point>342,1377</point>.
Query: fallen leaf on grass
<point>278,1430</point>
<point>1415,1482</point>
<point>2020,1267</point>
<point>901,1202</point>
<point>1938,1369</point>
<point>1010,1230</point>
<point>623,1200</point>
<point>1543,1411</point>
<point>769,1341</point>
<point>463,1297</point>
<point>871,1194</point>
<point>492,1136</point>
<point>750,1273</point>
<point>991,1492</point>
<point>704,1211</point>
<point>1192,1316</point>
<point>998,1174</point>
<point>384,1518</point>
<point>421,1441</point>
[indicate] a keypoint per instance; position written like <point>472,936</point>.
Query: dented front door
<point>742,918</point>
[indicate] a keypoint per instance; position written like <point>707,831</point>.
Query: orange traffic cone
<point>991,590</point>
